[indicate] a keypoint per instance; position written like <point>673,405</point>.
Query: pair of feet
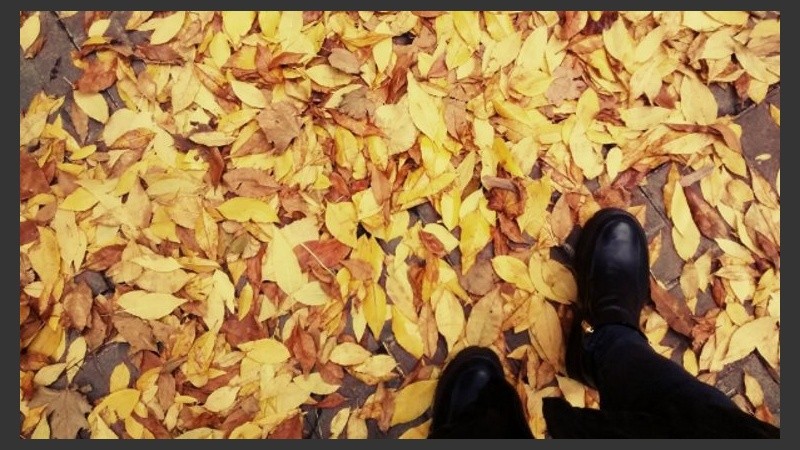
<point>612,274</point>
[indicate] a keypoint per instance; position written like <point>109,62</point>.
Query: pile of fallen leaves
<point>267,207</point>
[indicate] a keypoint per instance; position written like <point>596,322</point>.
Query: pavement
<point>52,71</point>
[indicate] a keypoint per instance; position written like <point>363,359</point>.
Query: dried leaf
<point>280,123</point>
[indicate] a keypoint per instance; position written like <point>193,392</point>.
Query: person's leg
<point>631,376</point>
<point>607,350</point>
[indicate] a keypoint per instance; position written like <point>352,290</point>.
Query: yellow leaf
<point>647,46</point>
<point>552,279</point>
<point>340,219</point>
<point>29,31</point>
<point>248,94</point>
<point>749,337</point>
<point>94,105</point>
<point>327,76</point>
<point>753,391</point>
<point>483,325</point>
<point>449,317</point>
<point>285,265</point>
<point>167,28</point>
<point>338,422</point>
<point>357,428</point>
<point>121,403</point>
<point>618,42</point>
<point>211,138</point>
<point>222,398</point>
<point>265,351</point>
<point>242,209</point>
<point>445,237</point>
<point>236,24</point>
<point>688,144</point>
<point>349,354</point>
<point>148,305</point>
<point>407,333</point>
<point>396,124</point>
<point>45,258</point>
<point>47,375</point>
<point>412,401</point>
<point>546,333</point>
<point>420,431</point>
<point>185,89</point>
<point>120,378</point>
<point>775,113</point>
<point>378,366</point>
<point>75,354</point>
<point>613,162</point>
<point>697,102</point>
<point>730,17</point>
<point>685,234</point>
<point>574,392</point>
<point>754,66</point>
<point>425,112</point>
<point>475,234</point>
<point>42,430</point>
<point>468,27</point>
<point>514,271</point>
<point>644,117</point>
<point>79,200</point>
<point>157,263</point>
<point>375,309</point>
<point>690,362</point>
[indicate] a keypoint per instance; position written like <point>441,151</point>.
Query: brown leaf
<point>331,401</point>
<point>328,252</point>
<point>358,127</point>
<point>97,76</point>
<point>104,258</point>
<point>280,123</point>
<point>32,179</point>
<point>567,85</point>
<point>166,390</point>
<point>137,139</point>
<point>237,331</point>
<point>359,269</point>
<point>291,428</point>
<point>357,105</point>
<point>674,310</point>
<point>345,61</point>
<point>80,121</point>
<point>135,331</point>
<point>331,373</point>
<point>432,244</point>
<point>253,183</point>
<point>67,411</point>
<point>78,305</point>
<point>480,278</point>
<point>216,165</point>
<point>510,202</point>
<point>285,59</point>
<point>561,219</point>
<point>707,218</point>
<point>303,348</point>
<point>163,54</point>
<point>239,416</point>
<point>455,118</point>
<point>610,196</point>
<point>154,426</point>
<point>28,232</point>
<point>572,22</point>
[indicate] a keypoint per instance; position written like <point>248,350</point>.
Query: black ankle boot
<point>613,277</point>
<point>474,400</point>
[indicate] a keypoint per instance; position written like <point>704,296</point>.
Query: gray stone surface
<point>762,136</point>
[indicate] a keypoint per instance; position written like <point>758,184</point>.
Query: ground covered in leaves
<point>285,223</point>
